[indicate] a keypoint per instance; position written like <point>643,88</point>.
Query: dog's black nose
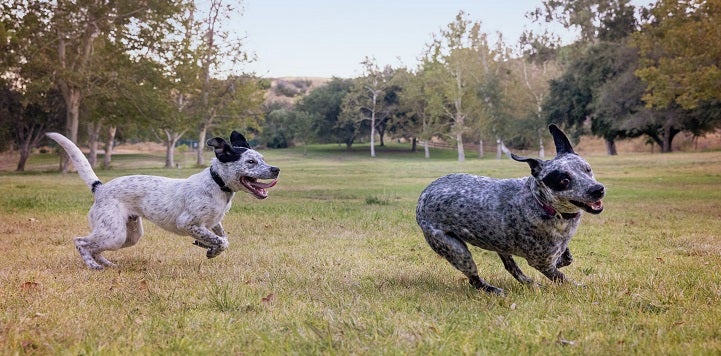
<point>597,191</point>
<point>275,170</point>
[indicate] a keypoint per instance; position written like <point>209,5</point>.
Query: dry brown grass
<point>333,263</point>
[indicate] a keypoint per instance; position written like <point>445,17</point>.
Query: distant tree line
<point>164,70</point>
<point>122,70</point>
<point>633,72</point>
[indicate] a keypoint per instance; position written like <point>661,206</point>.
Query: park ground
<point>333,263</point>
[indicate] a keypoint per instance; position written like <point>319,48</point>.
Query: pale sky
<point>325,38</point>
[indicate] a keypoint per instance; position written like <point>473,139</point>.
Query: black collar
<point>219,181</point>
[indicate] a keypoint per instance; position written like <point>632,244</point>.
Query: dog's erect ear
<point>563,145</point>
<point>535,164</point>
<point>223,151</point>
<point>238,140</point>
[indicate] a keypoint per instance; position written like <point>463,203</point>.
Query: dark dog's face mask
<point>229,153</point>
<point>567,177</point>
<point>242,166</point>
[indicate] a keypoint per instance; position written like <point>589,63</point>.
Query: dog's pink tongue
<point>262,185</point>
<point>597,205</point>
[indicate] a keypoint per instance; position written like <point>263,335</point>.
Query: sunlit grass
<point>333,263</point>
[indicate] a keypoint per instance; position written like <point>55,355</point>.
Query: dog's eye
<point>557,180</point>
<point>251,161</point>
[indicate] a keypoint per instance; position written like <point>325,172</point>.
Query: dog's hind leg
<point>134,230</point>
<point>456,252</point>
<point>510,264</point>
<point>108,233</point>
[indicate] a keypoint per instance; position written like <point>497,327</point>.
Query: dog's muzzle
<point>595,206</point>
<point>257,188</point>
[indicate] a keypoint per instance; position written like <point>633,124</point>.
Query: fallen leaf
<point>29,286</point>
<point>659,259</point>
<point>513,306</point>
<point>268,299</point>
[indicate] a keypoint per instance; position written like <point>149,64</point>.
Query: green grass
<point>333,263</point>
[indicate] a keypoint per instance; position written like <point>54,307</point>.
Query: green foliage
<point>682,61</point>
<point>323,106</point>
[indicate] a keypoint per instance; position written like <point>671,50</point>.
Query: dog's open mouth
<point>258,189</point>
<point>593,208</point>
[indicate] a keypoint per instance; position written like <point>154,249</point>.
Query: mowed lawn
<point>333,263</point>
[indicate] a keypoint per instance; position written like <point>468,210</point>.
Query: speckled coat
<point>533,217</point>
<point>193,206</point>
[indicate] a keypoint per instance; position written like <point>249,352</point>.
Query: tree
<point>681,62</point>
<point>26,117</point>
<point>55,41</point>
<point>421,105</point>
<point>595,19</point>
<point>323,107</point>
<point>462,50</point>
<point>366,99</point>
<point>217,46</point>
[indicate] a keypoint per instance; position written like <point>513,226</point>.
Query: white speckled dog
<point>194,206</point>
<point>533,217</point>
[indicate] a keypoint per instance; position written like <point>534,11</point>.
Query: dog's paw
<point>495,291</point>
<point>200,244</point>
<point>213,252</point>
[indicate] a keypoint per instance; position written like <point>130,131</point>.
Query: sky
<point>326,38</point>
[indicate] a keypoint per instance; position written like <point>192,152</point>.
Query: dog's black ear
<point>223,151</point>
<point>238,140</point>
<point>563,145</point>
<point>535,164</point>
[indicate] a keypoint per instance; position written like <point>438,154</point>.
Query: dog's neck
<point>540,194</point>
<point>219,181</point>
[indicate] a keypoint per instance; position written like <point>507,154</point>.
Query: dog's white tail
<point>78,158</point>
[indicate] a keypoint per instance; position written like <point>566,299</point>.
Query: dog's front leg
<point>218,230</point>
<point>514,270</point>
<point>208,239</point>
<point>552,272</point>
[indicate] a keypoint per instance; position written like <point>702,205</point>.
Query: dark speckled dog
<point>193,206</point>
<point>532,217</point>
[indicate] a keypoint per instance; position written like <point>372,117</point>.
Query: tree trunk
<point>24,155</point>
<point>668,134</point>
<point>499,153</point>
<point>461,151</point>
<point>611,147</point>
<point>171,138</point>
<point>426,150</point>
<point>72,122</point>
<point>109,141</point>
<point>414,142</point>
<point>373,134</point>
<point>200,161</point>
<point>93,137</point>
<point>541,149</point>
<point>480,148</point>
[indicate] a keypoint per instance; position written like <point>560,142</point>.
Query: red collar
<point>552,212</point>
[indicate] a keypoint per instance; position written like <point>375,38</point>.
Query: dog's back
<point>493,214</point>
<point>533,217</point>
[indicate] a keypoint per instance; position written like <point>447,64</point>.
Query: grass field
<point>333,263</point>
